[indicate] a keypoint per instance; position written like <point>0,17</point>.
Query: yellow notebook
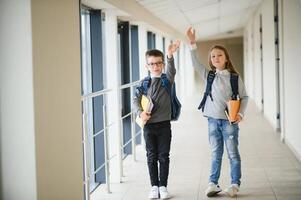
<point>147,105</point>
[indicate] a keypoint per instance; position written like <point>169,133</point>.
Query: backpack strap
<point>210,79</point>
<point>146,84</point>
<point>142,89</point>
<point>234,86</point>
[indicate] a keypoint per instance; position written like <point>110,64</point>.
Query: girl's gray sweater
<point>221,90</point>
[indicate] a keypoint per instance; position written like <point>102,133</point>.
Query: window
<point>124,56</point>
<point>151,40</point>
<point>92,81</point>
<point>135,68</point>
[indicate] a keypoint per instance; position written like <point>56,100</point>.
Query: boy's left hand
<point>173,47</point>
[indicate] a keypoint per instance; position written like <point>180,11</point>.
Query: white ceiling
<point>210,18</point>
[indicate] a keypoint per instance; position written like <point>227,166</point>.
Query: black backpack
<point>171,89</point>
<point>210,78</point>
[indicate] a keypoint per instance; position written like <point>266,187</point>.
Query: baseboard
<point>296,154</point>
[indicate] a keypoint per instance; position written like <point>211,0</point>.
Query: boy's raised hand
<point>173,47</point>
<point>190,33</point>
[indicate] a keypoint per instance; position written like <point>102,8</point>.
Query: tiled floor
<point>270,170</point>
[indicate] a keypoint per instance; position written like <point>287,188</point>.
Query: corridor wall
<point>261,71</point>
<point>291,69</point>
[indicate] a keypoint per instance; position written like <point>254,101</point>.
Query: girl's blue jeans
<point>220,133</point>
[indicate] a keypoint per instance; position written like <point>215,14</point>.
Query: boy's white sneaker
<point>232,190</point>
<point>154,193</point>
<point>164,194</point>
<point>212,189</point>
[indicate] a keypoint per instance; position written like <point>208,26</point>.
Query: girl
<point>221,132</point>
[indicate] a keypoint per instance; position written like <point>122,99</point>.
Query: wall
<point>257,66</point>
<point>269,65</point>
<point>17,144</point>
<point>249,59</point>
<point>261,84</point>
<point>57,97</point>
<point>289,30</point>
<point>291,74</point>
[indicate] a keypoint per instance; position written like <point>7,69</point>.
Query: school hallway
<point>270,171</point>
<point>69,72</point>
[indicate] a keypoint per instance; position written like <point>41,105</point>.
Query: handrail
<point>125,116</point>
<point>102,130</point>
<point>86,136</point>
<point>139,132</point>
<point>96,94</point>
<point>105,91</point>
<point>129,85</point>
<point>101,166</point>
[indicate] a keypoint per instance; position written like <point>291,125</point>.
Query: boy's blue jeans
<point>220,133</point>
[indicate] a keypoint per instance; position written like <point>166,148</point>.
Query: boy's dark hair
<point>155,53</point>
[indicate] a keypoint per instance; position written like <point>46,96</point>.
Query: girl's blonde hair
<point>228,65</point>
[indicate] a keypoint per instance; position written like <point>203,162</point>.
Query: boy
<point>157,132</point>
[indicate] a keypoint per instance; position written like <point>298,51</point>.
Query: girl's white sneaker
<point>212,189</point>
<point>232,190</point>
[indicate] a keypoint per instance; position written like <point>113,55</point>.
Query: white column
<point>112,74</point>
<point>142,37</point>
<point>159,42</point>
<point>17,134</point>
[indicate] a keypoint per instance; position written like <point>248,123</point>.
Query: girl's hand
<point>238,119</point>
<point>190,33</point>
<point>173,47</point>
<point>145,116</point>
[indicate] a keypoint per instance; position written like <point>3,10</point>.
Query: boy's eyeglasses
<point>159,64</point>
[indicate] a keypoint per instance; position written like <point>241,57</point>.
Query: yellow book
<point>147,105</point>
